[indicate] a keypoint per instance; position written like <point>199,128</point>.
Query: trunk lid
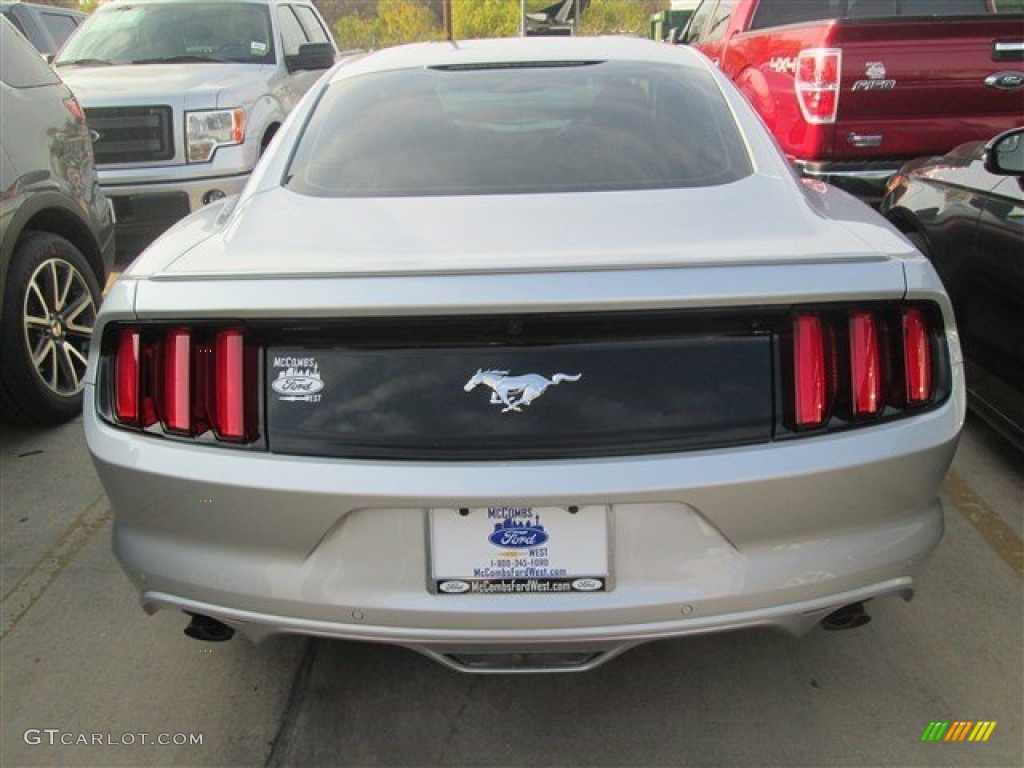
<point>759,220</point>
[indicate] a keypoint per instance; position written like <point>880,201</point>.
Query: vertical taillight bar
<point>917,357</point>
<point>177,381</point>
<point>229,412</point>
<point>810,381</point>
<point>865,364</point>
<point>126,377</point>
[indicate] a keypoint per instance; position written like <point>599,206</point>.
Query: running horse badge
<point>515,392</point>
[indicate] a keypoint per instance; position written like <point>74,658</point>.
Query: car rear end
<point>883,83</point>
<point>525,431</point>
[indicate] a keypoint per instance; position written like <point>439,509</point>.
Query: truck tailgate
<point>928,78</point>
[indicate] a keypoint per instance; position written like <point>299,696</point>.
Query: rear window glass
<point>59,26</point>
<point>774,13</point>
<point>21,66</point>
<point>518,130</point>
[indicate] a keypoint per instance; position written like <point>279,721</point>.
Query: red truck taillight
<point>817,84</point>
<point>858,365</point>
<point>189,381</point>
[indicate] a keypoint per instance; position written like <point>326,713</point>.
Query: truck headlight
<point>207,130</point>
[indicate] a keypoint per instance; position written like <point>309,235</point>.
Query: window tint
<point>13,19</point>
<point>292,35</point>
<point>21,66</point>
<point>695,29</point>
<point>314,29</point>
<point>59,25</point>
<point>519,130</point>
<point>774,13</point>
<point>720,19</point>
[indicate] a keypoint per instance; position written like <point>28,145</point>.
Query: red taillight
<point>126,377</point>
<point>917,357</point>
<point>850,366</point>
<point>817,84</point>
<point>229,413</point>
<point>809,371</point>
<point>865,364</point>
<point>176,399</point>
<point>187,379</point>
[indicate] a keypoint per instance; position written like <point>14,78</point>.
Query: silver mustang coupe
<point>520,353</point>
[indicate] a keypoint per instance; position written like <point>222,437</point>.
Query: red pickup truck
<point>854,88</point>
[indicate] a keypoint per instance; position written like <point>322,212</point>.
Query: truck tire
<point>49,310</point>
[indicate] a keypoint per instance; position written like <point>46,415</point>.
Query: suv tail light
<point>193,382</point>
<point>71,105</point>
<point>817,84</point>
<point>858,365</point>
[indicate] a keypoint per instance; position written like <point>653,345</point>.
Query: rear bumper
<point>773,535</point>
<point>554,650</point>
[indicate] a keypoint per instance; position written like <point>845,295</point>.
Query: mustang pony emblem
<point>515,391</point>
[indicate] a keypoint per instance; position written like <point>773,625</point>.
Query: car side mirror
<point>1004,155</point>
<point>311,56</point>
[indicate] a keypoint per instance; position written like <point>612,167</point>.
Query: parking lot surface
<point>89,679</point>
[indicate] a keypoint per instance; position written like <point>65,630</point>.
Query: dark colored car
<point>965,211</point>
<point>57,238</point>
<point>45,26</point>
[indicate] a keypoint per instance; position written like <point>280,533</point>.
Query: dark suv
<point>57,238</point>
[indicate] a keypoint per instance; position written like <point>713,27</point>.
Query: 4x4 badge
<point>515,391</point>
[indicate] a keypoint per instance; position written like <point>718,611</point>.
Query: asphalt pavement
<point>89,679</point>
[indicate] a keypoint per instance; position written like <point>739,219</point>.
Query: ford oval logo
<point>520,537</point>
<point>302,385</point>
<point>587,585</point>
<point>453,587</point>
<point>1005,81</point>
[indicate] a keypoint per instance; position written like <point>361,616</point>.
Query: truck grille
<point>131,134</point>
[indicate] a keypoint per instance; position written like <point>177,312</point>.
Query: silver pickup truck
<point>183,97</point>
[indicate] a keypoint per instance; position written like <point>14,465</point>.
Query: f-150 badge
<point>874,71</point>
<point>515,392</point>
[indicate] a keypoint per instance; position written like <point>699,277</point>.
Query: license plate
<point>519,550</point>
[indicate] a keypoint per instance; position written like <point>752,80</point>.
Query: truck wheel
<point>49,310</point>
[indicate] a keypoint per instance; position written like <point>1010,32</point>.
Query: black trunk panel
<point>399,392</point>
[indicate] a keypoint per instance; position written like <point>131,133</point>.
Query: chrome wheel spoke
<point>45,349</point>
<point>34,290</point>
<point>83,304</point>
<point>34,321</point>
<point>54,285</point>
<point>61,296</point>
<point>46,363</point>
<point>71,363</point>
